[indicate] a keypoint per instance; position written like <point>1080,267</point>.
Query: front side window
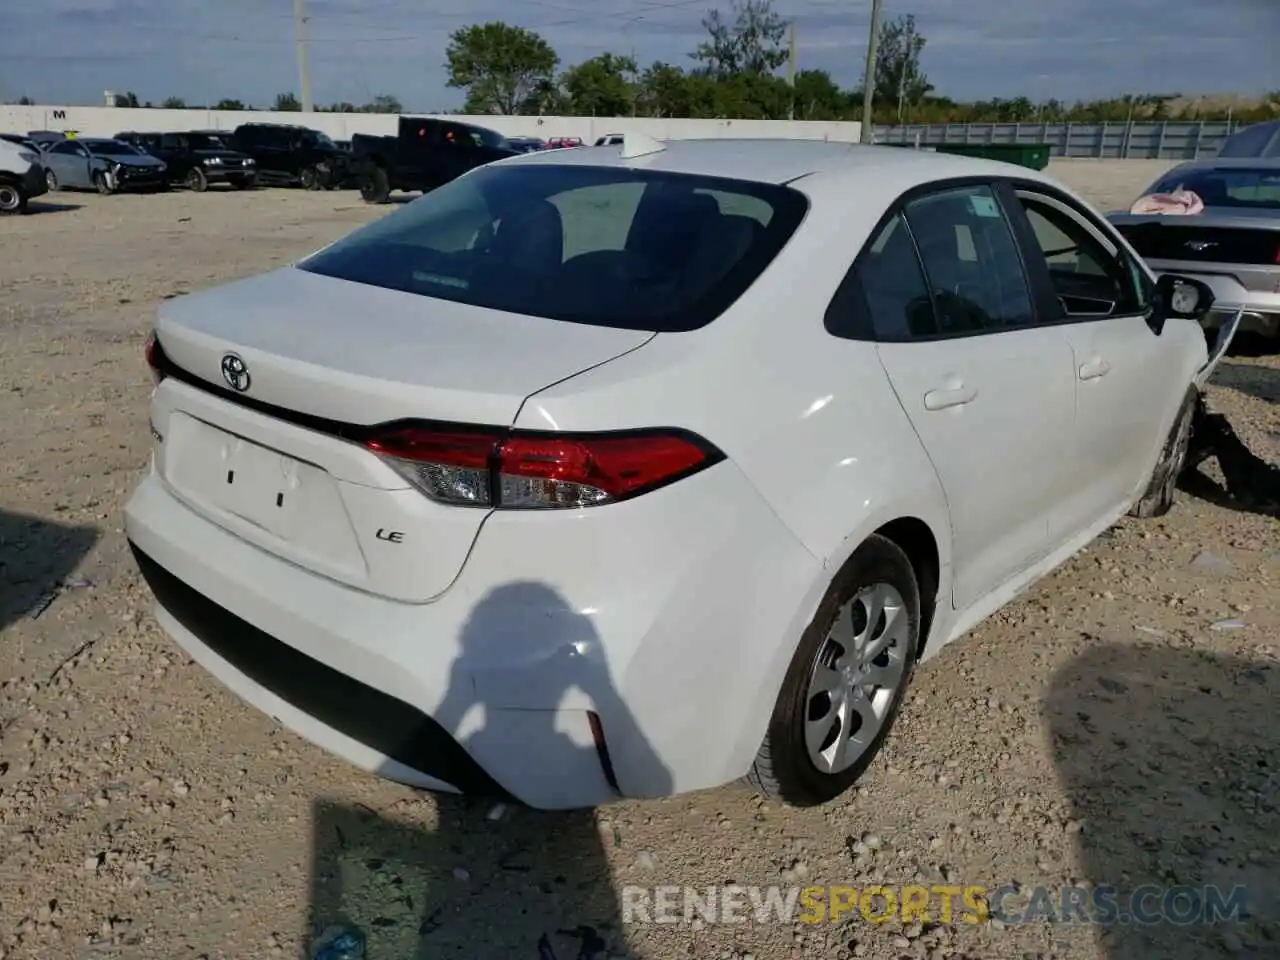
<point>614,247</point>
<point>1088,278</point>
<point>971,261</point>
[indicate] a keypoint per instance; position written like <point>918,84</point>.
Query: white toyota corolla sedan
<point>633,470</point>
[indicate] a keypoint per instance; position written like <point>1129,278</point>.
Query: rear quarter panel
<point>811,421</point>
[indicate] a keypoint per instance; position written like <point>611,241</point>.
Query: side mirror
<point>1181,298</point>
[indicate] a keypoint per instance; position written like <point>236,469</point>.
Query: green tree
<point>663,91</point>
<point>226,104</point>
<point>818,97</point>
<point>383,103</point>
<point>754,42</point>
<point>899,79</point>
<point>500,66</point>
<point>604,86</point>
<point>130,99</point>
<point>286,103</point>
<point>173,103</point>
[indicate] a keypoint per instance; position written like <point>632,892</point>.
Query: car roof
<point>1229,163</point>
<point>782,161</point>
<point>1268,147</point>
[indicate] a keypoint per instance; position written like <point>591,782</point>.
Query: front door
<point>1127,375</point>
<point>989,390</point>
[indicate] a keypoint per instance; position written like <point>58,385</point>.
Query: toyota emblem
<point>235,373</point>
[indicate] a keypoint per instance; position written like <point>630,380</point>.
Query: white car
<point>627,472</point>
<point>21,176</point>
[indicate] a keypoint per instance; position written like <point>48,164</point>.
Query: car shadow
<point>37,558</point>
<point>1170,758</point>
<point>480,880</point>
<point>38,206</point>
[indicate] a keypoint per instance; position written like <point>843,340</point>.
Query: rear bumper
<point>672,645</point>
<point>33,181</point>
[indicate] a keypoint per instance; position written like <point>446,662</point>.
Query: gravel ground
<point>1102,730</point>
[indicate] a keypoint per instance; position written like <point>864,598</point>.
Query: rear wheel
<point>374,186</point>
<point>13,199</point>
<point>1162,490</point>
<point>51,180</point>
<point>196,181</point>
<point>846,681</point>
<point>309,179</point>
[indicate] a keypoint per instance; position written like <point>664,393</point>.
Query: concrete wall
<point>105,121</point>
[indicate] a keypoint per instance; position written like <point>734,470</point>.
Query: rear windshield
<point>1239,187</point>
<point>599,245</point>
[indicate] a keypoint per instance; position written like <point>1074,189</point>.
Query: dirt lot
<point>1115,726</point>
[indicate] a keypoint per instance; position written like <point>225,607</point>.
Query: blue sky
<point>69,51</point>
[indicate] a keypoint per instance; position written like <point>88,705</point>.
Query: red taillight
<point>153,358</point>
<point>538,471</point>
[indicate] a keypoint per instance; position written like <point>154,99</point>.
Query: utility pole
<point>791,71</point>
<point>868,132</point>
<point>300,48</point>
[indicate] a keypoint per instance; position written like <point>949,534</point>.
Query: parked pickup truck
<point>426,153</point>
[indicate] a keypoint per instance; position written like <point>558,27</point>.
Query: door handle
<point>945,397</point>
<point>1095,368</point>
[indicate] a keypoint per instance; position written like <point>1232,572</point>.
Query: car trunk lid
<point>273,449</point>
<point>1243,244</point>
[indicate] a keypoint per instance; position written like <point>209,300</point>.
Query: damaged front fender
<point>1218,349</point>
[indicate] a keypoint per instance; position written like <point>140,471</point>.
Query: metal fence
<point>1145,139</point>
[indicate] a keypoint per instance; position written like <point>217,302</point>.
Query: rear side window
<point>971,261</point>
<point>886,296</point>
<point>606,246</point>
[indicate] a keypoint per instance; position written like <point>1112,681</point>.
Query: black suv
<point>197,159</point>
<point>288,154</point>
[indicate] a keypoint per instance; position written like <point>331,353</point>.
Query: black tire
<point>13,198</point>
<point>51,180</point>
<point>195,180</point>
<point>309,179</point>
<point>101,183</point>
<point>374,186</point>
<point>782,768</point>
<point>1162,489</point>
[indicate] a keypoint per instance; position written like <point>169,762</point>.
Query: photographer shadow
<point>451,878</point>
<point>37,558</point>
<point>1171,760</point>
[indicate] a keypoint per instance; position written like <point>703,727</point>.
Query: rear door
<point>989,390</point>
<point>1129,385</point>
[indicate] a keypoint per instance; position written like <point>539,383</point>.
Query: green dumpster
<point>1033,155</point>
